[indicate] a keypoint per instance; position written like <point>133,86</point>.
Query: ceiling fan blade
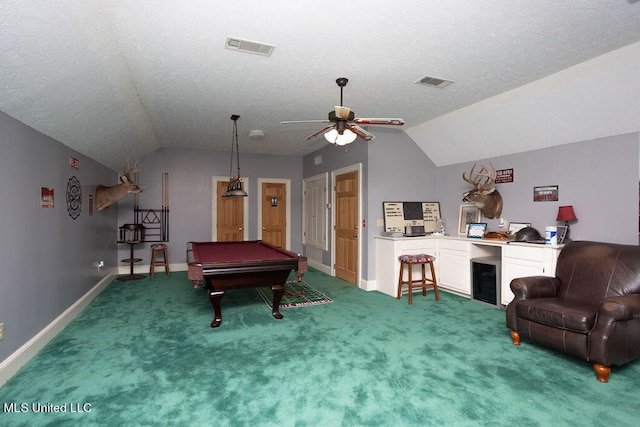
<point>342,113</point>
<point>288,122</point>
<point>393,122</point>
<point>361,132</point>
<point>323,130</point>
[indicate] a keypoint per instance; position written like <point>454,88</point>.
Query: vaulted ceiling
<point>119,78</point>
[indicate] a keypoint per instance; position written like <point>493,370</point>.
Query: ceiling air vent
<point>434,82</point>
<point>249,47</point>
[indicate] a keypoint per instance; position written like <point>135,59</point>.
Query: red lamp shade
<point>566,213</point>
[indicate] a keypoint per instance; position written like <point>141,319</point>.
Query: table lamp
<point>566,214</point>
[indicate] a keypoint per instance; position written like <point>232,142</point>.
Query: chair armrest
<point>624,307</point>
<point>535,287</point>
<point>614,338</point>
<point>530,287</point>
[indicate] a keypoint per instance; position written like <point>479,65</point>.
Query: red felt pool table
<point>247,264</point>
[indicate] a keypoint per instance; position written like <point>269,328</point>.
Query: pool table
<point>246,264</point>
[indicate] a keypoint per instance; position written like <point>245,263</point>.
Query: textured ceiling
<point>120,78</point>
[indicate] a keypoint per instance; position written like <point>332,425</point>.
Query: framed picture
<point>514,227</point>
<point>477,230</point>
<point>469,214</point>
<point>562,233</point>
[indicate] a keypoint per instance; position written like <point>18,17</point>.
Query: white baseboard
<point>144,268</point>
<point>21,356</point>
<point>324,268</point>
<point>368,285</point>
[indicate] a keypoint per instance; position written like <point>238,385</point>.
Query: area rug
<point>296,294</point>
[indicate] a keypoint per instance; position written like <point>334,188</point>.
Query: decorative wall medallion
<point>74,197</point>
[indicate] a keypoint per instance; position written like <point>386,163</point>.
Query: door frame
<point>287,183</point>
<point>214,207</point>
<point>357,168</point>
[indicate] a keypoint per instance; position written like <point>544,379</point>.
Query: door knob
<point>239,228</point>
<point>264,228</point>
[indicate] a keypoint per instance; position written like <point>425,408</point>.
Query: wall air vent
<point>248,46</point>
<point>434,82</point>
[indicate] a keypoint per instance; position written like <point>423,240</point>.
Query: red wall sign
<point>74,163</point>
<point>504,175</point>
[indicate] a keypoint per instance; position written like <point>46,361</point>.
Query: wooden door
<point>230,215</point>
<point>274,213</point>
<point>346,227</point>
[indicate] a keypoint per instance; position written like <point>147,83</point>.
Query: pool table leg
<point>215,297</point>
<point>278,292</point>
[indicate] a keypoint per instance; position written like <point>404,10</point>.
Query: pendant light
<point>234,189</point>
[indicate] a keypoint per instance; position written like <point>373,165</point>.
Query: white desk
<point>453,261</point>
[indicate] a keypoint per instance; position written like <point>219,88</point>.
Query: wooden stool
<point>423,260</point>
<point>159,247</point>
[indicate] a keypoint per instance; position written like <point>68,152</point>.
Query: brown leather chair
<point>591,309</point>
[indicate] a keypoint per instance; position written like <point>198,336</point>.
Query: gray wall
<point>598,177</point>
<point>47,257</point>
<point>190,191</point>
<point>398,171</point>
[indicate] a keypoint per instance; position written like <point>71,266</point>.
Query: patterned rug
<point>296,294</point>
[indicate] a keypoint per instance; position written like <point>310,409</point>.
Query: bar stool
<point>155,249</point>
<point>410,261</point>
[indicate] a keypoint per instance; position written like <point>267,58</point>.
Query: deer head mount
<point>107,196</point>
<point>484,195</point>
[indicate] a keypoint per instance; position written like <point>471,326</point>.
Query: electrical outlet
<point>1,331</point>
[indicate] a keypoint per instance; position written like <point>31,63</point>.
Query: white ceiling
<point>120,78</point>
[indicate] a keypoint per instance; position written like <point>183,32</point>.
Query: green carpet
<point>296,294</point>
<point>142,353</point>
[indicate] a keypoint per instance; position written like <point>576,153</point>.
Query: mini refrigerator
<point>485,280</point>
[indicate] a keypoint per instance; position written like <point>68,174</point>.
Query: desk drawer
<point>529,253</point>
<point>454,245</point>
<point>416,245</point>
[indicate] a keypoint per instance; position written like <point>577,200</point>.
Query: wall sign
<point>504,175</point>
<point>547,193</point>
<point>74,163</point>
<point>46,197</point>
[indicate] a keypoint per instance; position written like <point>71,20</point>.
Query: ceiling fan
<point>344,126</point>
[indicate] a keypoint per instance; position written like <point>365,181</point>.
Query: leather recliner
<point>590,309</point>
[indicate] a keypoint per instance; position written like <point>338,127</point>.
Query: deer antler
<point>490,177</point>
<point>474,183</point>
<point>128,172</point>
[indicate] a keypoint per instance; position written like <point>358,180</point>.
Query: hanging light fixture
<point>340,134</point>
<point>235,182</point>
<point>334,137</point>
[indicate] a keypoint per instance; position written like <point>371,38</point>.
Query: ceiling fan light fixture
<point>345,128</point>
<point>347,137</point>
